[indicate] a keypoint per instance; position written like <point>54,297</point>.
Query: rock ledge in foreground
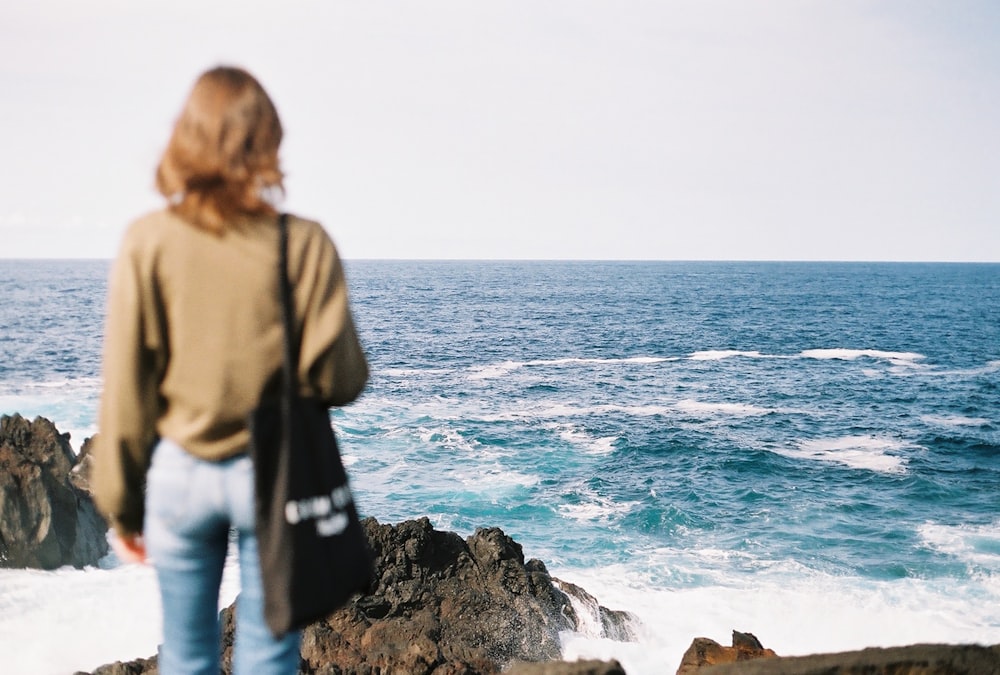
<point>707,657</point>
<point>443,605</point>
<point>440,604</point>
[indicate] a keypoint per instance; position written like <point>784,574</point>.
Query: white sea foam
<point>858,452</point>
<point>563,410</point>
<point>449,438</point>
<point>581,411</point>
<point>792,614</point>
<point>93,616</point>
<point>706,408</point>
<point>494,371</point>
<point>907,359</point>
<point>635,410</point>
<point>58,622</point>
<point>591,511</point>
<point>412,372</point>
<point>595,508</point>
<point>719,354</point>
<point>74,384</point>
<point>603,445</point>
<point>492,478</point>
<point>977,545</point>
<point>955,420</point>
<point>988,369</point>
<point>649,359</point>
<point>640,360</point>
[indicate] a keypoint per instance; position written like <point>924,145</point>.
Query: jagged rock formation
<point>440,604</point>
<point>444,605</point>
<point>592,618</point>
<point>80,475</point>
<point>45,520</point>
<point>137,667</point>
<point>706,652</point>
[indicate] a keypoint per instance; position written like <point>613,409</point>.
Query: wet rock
<point>593,618</point>
<point>925,659</point>
<point>706,652</point>
<point>137,667</point>
<point>449,606</point>
<point>912,660</point>
<point>80,474</point>
<point>45,520</point>
<point>441,604</point>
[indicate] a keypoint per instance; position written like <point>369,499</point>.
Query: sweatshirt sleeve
<point>133,359</point>
<point>331,357</point>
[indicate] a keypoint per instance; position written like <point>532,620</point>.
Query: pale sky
<point>617,129</point>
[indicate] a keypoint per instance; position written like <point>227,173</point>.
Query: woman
<point>193,340</point>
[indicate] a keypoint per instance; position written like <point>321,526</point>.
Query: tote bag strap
<point>290,365</point>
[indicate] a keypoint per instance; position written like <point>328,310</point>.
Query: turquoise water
<point>806,448</point>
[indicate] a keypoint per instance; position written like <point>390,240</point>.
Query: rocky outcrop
<point>593,618</point>
<point>440,604</point>
<point>45,520</point>
<point>137,667</point>
<point>748,657</point>
<point>706,652</point>
<point>445,605</point>
<point>148,667</point>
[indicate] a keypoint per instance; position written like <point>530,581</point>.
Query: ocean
<point>806,451</point>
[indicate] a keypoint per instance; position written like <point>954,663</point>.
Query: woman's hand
<point>130,548</point>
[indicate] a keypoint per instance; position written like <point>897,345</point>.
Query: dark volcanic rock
<point>137,667</point>
<point>440,604</point>
<point>443,605</point>
<point>45,520</point>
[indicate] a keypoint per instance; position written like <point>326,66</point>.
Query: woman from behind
<point>193,342</point>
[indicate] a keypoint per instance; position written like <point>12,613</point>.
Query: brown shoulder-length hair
<point>222,158</point>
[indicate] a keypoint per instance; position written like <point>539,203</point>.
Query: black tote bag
<point>313,551</point>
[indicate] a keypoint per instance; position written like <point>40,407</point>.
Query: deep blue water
<point>688,426</point>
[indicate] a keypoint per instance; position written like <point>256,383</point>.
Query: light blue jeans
<point>191,504</point>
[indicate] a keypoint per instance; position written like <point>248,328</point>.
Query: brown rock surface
<point>441,604</point>
<point>912,660</point>
<point>444,605</point>
<point>45,520</point>
<point>706,652</point>
<point>702,658</point>
<point>137,667</point>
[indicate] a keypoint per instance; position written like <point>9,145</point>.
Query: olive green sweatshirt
<point>193,336</point>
